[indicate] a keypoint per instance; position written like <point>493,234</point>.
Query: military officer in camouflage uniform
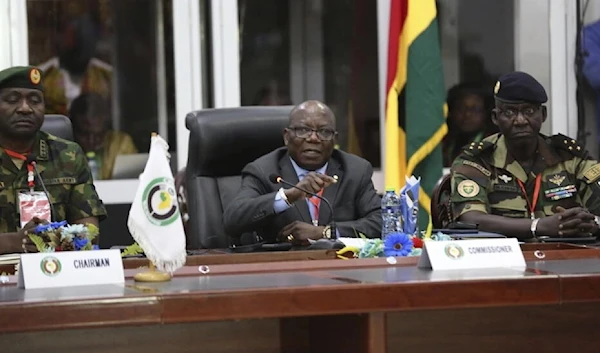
<point>61,164</point>
<point>521,183</point>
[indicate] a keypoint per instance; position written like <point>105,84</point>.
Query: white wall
<point>14,50</point>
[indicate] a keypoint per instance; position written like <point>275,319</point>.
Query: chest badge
<point>557,179</point>
<point>505,178</point>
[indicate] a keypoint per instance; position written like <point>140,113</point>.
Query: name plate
<point>70,268</point>
<point>468,254</point>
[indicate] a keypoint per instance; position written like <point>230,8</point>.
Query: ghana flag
<point>415,107</point>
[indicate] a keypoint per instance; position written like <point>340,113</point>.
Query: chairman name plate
<point>70,268</point>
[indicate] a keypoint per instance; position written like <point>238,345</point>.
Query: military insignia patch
<point>34,76</point>
<point>58,181</point>
<point>506,187</point>
<point>468,188</point>
<point>557,179</point>
<point>505,178</point>
<point>562,192</point>
<point>593,173</point>
<point>479,167</point>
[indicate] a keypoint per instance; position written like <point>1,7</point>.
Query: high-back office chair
<point>441,210</point>
<point>222,142</point>
<point>58,125</point>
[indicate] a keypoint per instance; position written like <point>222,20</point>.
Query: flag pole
<point>152,275</point>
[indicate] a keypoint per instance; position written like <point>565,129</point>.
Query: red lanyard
<point>23,157</point>
<point>536,193</point>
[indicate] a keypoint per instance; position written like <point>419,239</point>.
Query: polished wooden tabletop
<point>554,275</point>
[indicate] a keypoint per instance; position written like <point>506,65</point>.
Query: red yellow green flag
<point>415,106</point>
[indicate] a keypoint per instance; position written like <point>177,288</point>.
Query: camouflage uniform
<point>484,178</point>
<point>64,170</point>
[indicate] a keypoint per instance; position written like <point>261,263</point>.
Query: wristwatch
<point>327,232</point>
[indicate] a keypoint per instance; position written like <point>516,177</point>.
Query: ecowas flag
<point>154,218</point>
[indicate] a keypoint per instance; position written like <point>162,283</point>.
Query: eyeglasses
<point>527,112</point>
<point>306,132</point>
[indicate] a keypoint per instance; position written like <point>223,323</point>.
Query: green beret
<point>519,87</point>
<point>22,77</point>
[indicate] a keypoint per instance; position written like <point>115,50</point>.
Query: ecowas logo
<point>454,251</point>
<point>50,266</point>
<point>160,202</point>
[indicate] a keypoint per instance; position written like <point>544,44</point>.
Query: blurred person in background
<point>90,117</point>
<point>468,119</point>
<point>75,70</point>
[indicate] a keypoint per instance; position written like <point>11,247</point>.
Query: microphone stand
<point>332,226</point>
<point>37,174</point>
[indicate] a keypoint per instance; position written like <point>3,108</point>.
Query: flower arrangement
<point>60,236</point>
<point>395,244</point>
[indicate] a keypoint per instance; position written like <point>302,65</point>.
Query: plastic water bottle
<point>93,164</point>
<point>391,215</point>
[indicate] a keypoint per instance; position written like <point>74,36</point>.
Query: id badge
<point>34,204</point>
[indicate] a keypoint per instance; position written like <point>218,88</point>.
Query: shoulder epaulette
<point>475,148</point>
<point>565,143</point>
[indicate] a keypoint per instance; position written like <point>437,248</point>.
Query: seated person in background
<point>90,116</point>
<point>62,164</point>
<point>75,70</point>
<point>468,119</point>
<point>310,162</point>
<point>523,184</point>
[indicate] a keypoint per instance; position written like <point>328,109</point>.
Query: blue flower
<point>397,244</point>
<point>79,243</point>
<point>56,225</point>
<point>95,247</point>
<point>40,228</point>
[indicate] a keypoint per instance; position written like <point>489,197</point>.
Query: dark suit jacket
<point>356,205</point>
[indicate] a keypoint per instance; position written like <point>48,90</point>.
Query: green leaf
<point>38,241</point>
<point>92,231</point>
<point>358,234</point>
<point>133,249</point>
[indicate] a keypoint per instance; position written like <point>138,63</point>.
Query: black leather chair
<point>222,142</point>
<point>58,125</point>
<point>441,207</point>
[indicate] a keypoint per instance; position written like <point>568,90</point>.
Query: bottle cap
<point>390,189</point>
<point>90,154</point>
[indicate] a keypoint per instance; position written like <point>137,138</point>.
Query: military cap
<point>517,87</point>
<point>22,77</point>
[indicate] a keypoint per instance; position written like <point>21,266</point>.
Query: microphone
<point>276,179</point>
<point>31,160</point>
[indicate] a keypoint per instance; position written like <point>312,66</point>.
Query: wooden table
<point>364,305</point>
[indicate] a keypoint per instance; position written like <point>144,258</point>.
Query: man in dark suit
<point>311,162</point>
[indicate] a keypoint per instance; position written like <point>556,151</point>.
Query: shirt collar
<point>301,172</point>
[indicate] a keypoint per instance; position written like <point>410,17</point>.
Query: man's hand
<point>21,241</point>
<point>300,232</point>
<point>572,222</point>
<point>312,182</point>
